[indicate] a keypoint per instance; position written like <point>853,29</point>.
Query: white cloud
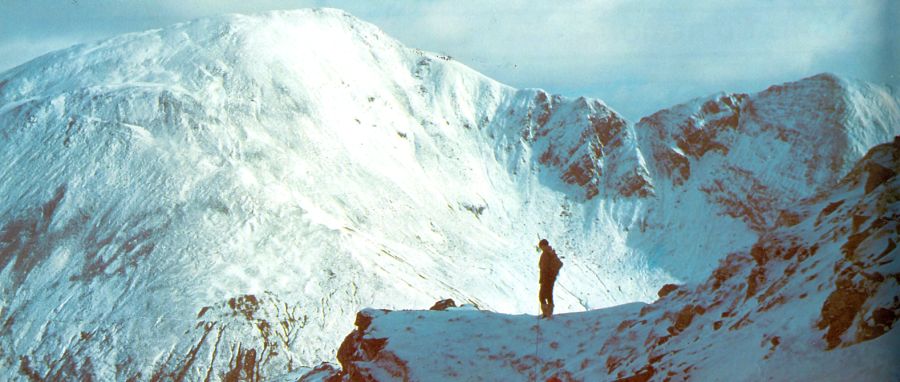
<point>17,50</point>
<point>636,55</point>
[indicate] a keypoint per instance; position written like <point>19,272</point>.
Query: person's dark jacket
<point>550,265</point>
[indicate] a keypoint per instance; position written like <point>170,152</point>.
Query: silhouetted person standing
<point>550,265</point>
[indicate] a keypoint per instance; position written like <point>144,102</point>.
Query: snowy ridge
<point>816,300</point>
<point>220,197</point>
<point>180,169</point>
<point>752,157</point>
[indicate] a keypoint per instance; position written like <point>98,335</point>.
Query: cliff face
<point>813,299</point>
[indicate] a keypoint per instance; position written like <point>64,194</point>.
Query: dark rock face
<point>443,304</point>
<point>642,375</point>
<point>878,174</point>
<point>685,317</point>
<point>358,351</point>
<point>839,312</point>
<point>853,311</point>
<point>722,114</point>
<point>244,367</point>
<point>323,372</point>
<point>636,183</point>
<point>588,143</point>
<point>697,133</point>
<point>666,289</point>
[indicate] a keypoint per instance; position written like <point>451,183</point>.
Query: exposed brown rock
<point>883,319</point>
<point>684,317</point>
<point>831,207</point>
<point>372,346</point>
<point>625,325</point>
<point>759,254</point>
<point>544,105</point>
<point>26,370</point>
<point>676,166</point>
<point>607,128</point>
<point>788,218</point>
<point>715,116</point>
<point>356,350</point>
<point>858,221</point>
<point>548,157</point>
<point>642,375</point>
<point>244,367</point>
<point>581,161</point>
<point>443,304</point>
<point>753,201</point>
<point>580,172</point>
<point>839,311</point>
<point>878,174</point>
<point>666,289</point>
<point>755,280</point>
<point>246,305</point>
<point>363,320</point>
<point>326,370</point>
<point>849,248</point>
<point>743,321</point>
<point>696,142</point>
<point>636,184</point>
<point>775,342</point>
<point>727,269</point>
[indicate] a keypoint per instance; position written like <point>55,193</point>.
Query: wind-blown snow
<point>173,199</point>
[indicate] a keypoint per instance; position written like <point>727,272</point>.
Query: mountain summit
<point>218,198</point>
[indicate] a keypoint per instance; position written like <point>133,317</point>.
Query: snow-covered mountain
<point>220,197</point>
<point>816,299</point>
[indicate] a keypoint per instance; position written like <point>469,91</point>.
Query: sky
<point>639,56</point>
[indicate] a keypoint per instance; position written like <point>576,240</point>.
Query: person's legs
<point>550,298</point>
<point>550,293</point>
<point>546,298</point>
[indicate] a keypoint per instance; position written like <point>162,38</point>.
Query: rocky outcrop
<point>590,145</point>
<point>360,353</point>
<point>443,304</point>
<point>878,174</point>
<point>666,289</point>
<point>239,339</point>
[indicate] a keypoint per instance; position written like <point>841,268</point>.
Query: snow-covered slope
<point>224,195</point>
<point>174,198</point>
<point>816,300</point>
<point>752,157</point>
